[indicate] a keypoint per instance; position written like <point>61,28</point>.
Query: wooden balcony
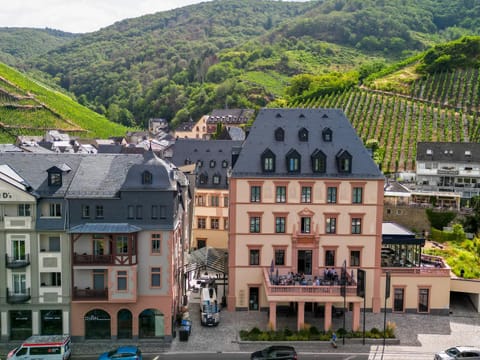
<point>88,294</point>
<point>17,263</point>
<point>18,298</point>
<point>85,259</point>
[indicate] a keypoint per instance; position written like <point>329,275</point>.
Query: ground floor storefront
<point>20,323</point>
<point>150,318</point>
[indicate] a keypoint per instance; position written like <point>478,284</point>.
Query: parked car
<point>123,352</point>
<point>459,352</point>
<point>275,352</point>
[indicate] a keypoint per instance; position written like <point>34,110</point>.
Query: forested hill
<point>19,44</point>
<point>183,63</point>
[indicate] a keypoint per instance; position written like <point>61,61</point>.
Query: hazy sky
<point>80,16</point>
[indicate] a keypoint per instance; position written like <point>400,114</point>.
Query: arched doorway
<point>97,325</point>
<point>151,324</point>
<point>124,324</point>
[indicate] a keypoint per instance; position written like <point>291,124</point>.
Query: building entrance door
<point>304,262</point>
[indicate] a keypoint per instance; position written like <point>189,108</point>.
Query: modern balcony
<point>12,262</point>
<point>88,294</point>
<point>18,298</point>
<point>88,259</point>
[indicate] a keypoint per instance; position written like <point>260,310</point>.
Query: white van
<point>43,347</point>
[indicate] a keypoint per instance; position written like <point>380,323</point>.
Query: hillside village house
<point>306,200</point>
<point>213,163</point>
<point>207,125</point>
<point>94,245</point>
<point>449,167</point>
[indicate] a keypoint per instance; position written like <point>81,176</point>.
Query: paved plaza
<point>420,336</point>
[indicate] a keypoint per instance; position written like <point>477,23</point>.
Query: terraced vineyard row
<point>398,123</point>
<point>458,89</point>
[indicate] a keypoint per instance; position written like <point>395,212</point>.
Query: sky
<point>80,16</point>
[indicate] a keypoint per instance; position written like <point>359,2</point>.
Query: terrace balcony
<point>328,290</point>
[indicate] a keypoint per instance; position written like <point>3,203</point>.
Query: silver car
<point>459,352</point>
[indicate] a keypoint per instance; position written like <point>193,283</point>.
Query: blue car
<point>123,353</point>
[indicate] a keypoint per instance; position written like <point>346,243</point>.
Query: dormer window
<point>199,163</point>
<point>303,134</point>
<point>216,179</point>
<point>212,163</point>
<point>327,135</point>
<point>203,178</point>
<point>293,161</point>
<point>54,178</point>
<point>268,161</point>
<point>319,162</point>
<point>279,134</point>
<point>344,162</point>
<point>224,164</point>
<point>147,178</point>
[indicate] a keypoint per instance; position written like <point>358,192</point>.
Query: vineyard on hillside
<point>442,107</point>
<point>28,107</point>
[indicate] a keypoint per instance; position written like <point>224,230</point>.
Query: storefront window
<point>51,322</point>
<point>20,324</point>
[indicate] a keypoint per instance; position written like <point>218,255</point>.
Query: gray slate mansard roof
<point>187,151</point>
<point>344,137</point>
<point>91,176</point>
<point>457,152</point>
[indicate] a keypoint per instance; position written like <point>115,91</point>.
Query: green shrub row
<point>311,333</point>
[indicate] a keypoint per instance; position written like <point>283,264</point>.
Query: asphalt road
<point>239,356</point>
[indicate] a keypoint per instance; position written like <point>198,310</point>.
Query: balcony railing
<point>90,294</point>
<point>326,288</point>
<point>12,262</point>
<point>84,259</point>
<point>18,298</point>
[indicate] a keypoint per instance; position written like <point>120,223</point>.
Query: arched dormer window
<point>327,135</point>
<point>224,164</point>
<point>344,161</point>
<point>293,161</point>
<point>268,161</point>
<point>279,134</point>
<point>147,178</point>
<point>203,178</point>
<point>319,161</point>
<point>212,163</point>
<point>303,134</point>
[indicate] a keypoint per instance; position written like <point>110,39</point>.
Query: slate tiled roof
<point>100,175</point>
<point>344,138</point>
<point>206,153</point>
<point>456,152</point>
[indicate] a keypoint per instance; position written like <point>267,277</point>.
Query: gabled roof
<point>262,137</point>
